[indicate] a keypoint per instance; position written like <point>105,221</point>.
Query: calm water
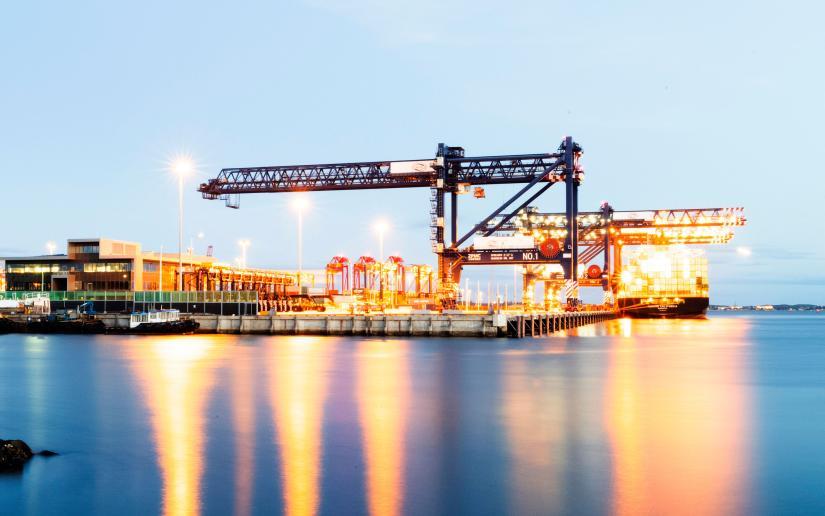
<point>723,416</point>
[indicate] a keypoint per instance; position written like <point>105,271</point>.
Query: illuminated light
<point>381,226</point>
<point>300,203</point>
<point>627,276</point>
<point>182,165</point>
<point>744,251</point>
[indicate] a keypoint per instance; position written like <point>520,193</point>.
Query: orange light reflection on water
<point>243,421</point>
<point>677,414</point>
<point>298,389</point>
<point>383,399</point>
<point>176,374</point>
<point>532,410</point>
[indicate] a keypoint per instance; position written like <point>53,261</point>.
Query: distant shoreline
<point>768,308</point>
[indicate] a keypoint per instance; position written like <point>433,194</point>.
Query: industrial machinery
<point>398,283</point>
<point>338,268</point>
<point>607,232</point>
<point>554,248</point>
<point>366,275</point>
<point>449,173</point>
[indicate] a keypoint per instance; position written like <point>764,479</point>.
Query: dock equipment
<point>338,267</point>
<point>449,173</point>
<point>553,248</point>
<point>607,232</point>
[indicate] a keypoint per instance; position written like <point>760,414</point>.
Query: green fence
<point>186,296</point>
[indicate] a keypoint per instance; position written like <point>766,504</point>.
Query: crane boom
<point>482,170</point>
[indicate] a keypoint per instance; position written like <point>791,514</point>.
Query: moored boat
<point>158,322</point>
<point>663,283</point>
<point>675,307</point>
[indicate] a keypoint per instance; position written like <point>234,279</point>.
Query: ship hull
<point>689,307</point>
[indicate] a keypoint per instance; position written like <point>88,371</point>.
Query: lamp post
<point>181,167</point>
<point>50,248</point>
<point>381,227</point>
<point>244,244</point>
<point>300,204</point>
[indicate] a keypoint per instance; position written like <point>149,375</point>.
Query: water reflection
<point>298,389</point>
<point>176,374</point>
<point>383,399</point>
<point>676,415</point>
<point>36,350</point>
<point>532,410</point>
<point>243,428</point>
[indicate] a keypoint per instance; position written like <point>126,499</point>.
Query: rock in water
<point>13,454</point>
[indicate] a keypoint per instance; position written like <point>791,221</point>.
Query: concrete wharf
<point>378,324</point>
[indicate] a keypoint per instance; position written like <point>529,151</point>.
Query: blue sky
<point>677,104</point>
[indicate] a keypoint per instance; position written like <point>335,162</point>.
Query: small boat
<point>52,324</point>
<point>158,322</point>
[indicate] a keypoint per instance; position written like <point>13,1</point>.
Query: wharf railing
<point>540,324</point>
<point>239,301</point>
<point>149,296</point>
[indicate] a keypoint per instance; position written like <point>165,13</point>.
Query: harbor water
<point>717,416</point>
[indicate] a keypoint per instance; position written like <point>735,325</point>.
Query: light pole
<point>381,227</point>
<point>191,250</point>
<point>300,204</point>
<point>515,285</point>
<point>181,166</point>
<point>50,248</point>
<point>244,244</point>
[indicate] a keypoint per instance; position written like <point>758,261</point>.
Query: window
<point>85,248</point>
<point>31,268</point>
<point>107,267</point>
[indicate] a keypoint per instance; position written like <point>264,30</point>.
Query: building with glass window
<point>102,264</point>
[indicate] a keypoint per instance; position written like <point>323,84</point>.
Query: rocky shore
<point>15,453</point>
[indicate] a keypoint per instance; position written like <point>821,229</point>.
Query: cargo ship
<point>664,282</point>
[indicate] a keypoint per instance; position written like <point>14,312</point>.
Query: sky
<point>676,105</point>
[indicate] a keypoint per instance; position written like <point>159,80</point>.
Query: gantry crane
<point>449,173</point>
<point>606,230</point>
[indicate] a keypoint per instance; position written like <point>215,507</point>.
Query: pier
<point>425,325</point>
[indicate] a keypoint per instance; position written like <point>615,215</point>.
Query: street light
<point>192,242</point>
<point>381,227</point>
<point>50,247</point>
<point>300,204</point>
<point>182,166</point>
<point>244,244</point>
